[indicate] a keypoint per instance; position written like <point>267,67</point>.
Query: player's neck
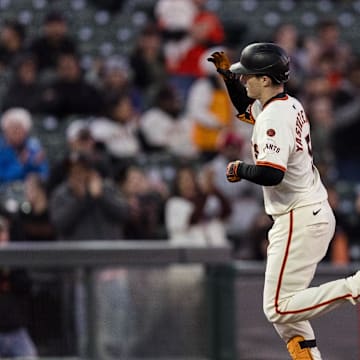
<point>270,92</point>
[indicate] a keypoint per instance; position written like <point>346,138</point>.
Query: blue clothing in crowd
<point>16,165</point>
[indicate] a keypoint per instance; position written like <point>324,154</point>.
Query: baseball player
<point>294,195</point>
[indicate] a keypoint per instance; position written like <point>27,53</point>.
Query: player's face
<point>252,85</point>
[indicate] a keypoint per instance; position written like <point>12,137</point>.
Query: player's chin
<point>249,94</point>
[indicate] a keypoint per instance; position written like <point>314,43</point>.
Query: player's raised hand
<point>221,62</point>
<point>232,171</point>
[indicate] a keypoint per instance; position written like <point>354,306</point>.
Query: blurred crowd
<point>149,134</point>
<point>151,131</point>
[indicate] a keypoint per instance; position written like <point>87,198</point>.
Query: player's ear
<point>267,80</point>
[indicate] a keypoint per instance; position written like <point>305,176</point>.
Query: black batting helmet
<point>263,59</point>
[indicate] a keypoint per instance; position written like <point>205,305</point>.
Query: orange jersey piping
<point>270,164</point>
<point>285,97</point>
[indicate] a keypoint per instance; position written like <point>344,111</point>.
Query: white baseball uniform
<point>304,223</point>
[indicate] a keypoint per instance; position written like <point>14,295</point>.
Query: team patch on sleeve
<point>271,147</point>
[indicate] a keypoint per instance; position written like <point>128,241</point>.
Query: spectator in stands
<point>245,198</point>
<point>79,139</point>
<point>209,109</point>
<point>258,239</point>
<point>86,206</point>
<point>174,17</point>
<point>329,57</point>
<point>12,37</point>
<point>321,116</point>
<point>329,44</point>
<point>287,36</point>
<point>34,214</point>
<point>15,288</point>
<point>119,130</point>
<point>148,200</point>
<point>339,250</point>
<point>20,153</point>
<point>147,62</point>
<point>69,93</point>
<point>196,211</point>
<point>115,80</point>
<point>164,128</point>
<point>202,30</point>
<point>347,127</point>
<point>24,89</point>
<point>53,41</point>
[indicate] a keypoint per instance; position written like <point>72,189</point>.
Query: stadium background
<point>102,33</point>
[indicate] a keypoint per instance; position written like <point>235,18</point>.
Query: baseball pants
<point>298,240</point>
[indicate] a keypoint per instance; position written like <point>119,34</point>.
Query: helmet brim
<point>238,68</point>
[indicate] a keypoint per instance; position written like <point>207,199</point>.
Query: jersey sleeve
<point>240,100</point>
<point>273,142</point>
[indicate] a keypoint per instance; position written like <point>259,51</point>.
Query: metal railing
<point>91,256</point>
<point>234,291</point>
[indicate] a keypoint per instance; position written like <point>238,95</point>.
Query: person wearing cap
<point>20,153</point>
<point>79,139</point>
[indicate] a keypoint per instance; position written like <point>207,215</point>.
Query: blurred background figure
<point>192,31</point>
<point>12,40</point>
<point>25,89</point>
<point>196,211</point>
<point>119,130</point>
<point>346,145</point>
<point>114,78</point>
<point>147,61</point>
<point>15,290</point>
<point>164,128</point>
<point>339,253</point>
<point>322,119</point>
<point>329,44</point>
<point>244,197</point>
<point>256,247</point>
<point>34,212</point>
<point>20,153</point>
<point>79,138</point>
<point>69,93</point>
<point>147,221</point>
<point>86,206</point>
<point>287,36</point>
<point>53,41</point>
<point>208,108</point>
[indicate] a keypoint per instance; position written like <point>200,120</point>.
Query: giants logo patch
<point>270,132</point>
<point>271,147</point>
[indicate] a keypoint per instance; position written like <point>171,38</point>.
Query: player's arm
<point>236,90</point>
<point>258,174</point>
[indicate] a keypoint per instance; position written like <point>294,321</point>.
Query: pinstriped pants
<point>298,241</point>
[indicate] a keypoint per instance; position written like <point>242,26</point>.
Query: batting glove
<point>232,171</point>
<point>221,62</point>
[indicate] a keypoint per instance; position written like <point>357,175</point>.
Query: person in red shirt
<point>184,47</point>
